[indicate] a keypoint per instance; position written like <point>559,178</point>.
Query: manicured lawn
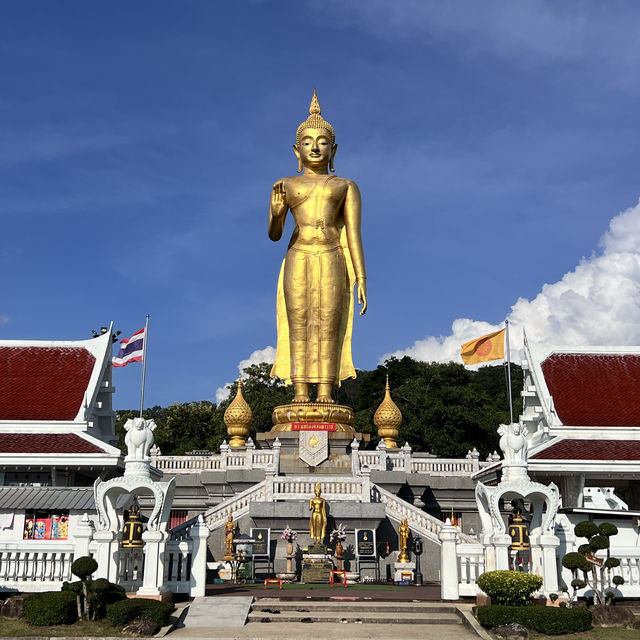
<point>83,629</point>
<point>597,633</point>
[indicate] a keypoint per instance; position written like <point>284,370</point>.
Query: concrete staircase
<point>348,611</point>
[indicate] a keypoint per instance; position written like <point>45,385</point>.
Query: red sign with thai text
<point>313,426</point>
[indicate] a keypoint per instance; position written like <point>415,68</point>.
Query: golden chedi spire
<point>315,120</point>
<point>237,418</point>
<point>388,419</point>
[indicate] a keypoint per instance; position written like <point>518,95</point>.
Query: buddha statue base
<point>341,416</point>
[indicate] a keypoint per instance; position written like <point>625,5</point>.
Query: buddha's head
<point>318,490</point>
<point>315,145</point>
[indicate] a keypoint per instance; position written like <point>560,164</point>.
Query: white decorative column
<point>501,543</point>
<point>82,534</point>
<point>449,579</point>
<point>153,578</point>
<point>277,445</point>
<point>106,555</point>
<point>199,534</point>
<point>355,458</point>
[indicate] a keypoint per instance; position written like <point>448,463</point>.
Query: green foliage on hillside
<point>447,409</point>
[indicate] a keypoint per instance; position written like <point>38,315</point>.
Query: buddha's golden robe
<point>319,317</point>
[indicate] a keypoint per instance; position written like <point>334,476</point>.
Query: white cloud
<point>597,303</point>
<point>268,354</point>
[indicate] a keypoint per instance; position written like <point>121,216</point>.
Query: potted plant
<point>338,535</point>
<point>289,535</point>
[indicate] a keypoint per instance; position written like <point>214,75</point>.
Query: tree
<point>585,560</point>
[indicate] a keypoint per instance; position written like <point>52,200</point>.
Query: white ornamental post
<point>449,581</point>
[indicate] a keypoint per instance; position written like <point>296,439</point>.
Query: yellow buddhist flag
<point>484,349</point>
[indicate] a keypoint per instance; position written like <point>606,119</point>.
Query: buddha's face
<point>315,148</point>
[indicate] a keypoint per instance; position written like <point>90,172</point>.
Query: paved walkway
<point>301,631</point>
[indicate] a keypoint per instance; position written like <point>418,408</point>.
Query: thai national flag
<point>131,349</point>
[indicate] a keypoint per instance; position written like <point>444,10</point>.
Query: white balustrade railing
<point>423,523</point>
<point>44,566</point>
<point>629,569</point>
<point>178,563</point>
<point>334,488</point>
<point>471,565</point>
<point>445,466</point>
<point>238,504</point>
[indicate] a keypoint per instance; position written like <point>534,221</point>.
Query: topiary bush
<point>83,567</point>
<point>509,587</point>
<point>548,620</point>
<point>125,611</point>
<point>50,608</point>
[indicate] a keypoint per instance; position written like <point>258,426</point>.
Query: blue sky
<point>495,145</point>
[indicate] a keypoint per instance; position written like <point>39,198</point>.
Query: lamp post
<point>417,550</point>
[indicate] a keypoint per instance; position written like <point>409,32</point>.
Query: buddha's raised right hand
<point>278,199</point>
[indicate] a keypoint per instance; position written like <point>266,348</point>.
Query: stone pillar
<point>224,451</point>
<point>501,543</point>
<point>277,445</point>
<point>382,455</point>
<point>106,552</point>
<point>153,578</point>
<point>82,535</point>
<point>366,483</point>
<point>269,473</point>
<point>199,536</point>
<point>248,459</point>
<point>475,456</point>
<point>406,454</point>
<point>355,458</point>
<point>449,580</point>
<point>547,545</point>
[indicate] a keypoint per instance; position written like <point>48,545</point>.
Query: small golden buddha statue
<point>229,533</point>
<point>323,262</point>
<point>403,532</point>
<point>318,519</point>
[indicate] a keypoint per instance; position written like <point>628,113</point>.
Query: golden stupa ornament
<point>237,418</point>
<point>388,419</point>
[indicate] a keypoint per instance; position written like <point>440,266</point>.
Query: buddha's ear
<point>333,155</point>
<point>297,152</point>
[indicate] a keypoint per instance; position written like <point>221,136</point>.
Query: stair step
<point>338,606</point>
<point>365,617</point>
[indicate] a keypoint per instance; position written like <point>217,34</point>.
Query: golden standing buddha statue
<point>323,262</point>
<point>318,519</point>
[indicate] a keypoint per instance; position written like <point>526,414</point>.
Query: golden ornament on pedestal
<point>388,419</point>
<point>237,418</point>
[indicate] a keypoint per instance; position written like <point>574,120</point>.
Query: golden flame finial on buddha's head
<point>315,120</point>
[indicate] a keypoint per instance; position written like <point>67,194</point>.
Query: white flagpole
<point>506,322</point>
<point>144,362</point>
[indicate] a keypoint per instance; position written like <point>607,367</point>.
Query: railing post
<point>199,535</point>
<point>83,534</point>
<point>475,455</point>
<point>248,459</point>
<point>224,452</point>
<point>155,453</point>
<point>355,458</point>
<point>276,455</point>
<point>366,483</point>
<point>449,580</point>
<point>406,453</point>
<point>270,472</point>
<point>382,455</point>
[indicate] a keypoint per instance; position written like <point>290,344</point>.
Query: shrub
<point>607,529</point>
<point>599,542</point>
<point>125,611</point>
<point>83,567</point>
<point>586,529</point>
<point>576,560</point>
<point>50,608</point>
<point>509,587</point>
<point>102,593</point>
<point>548,620</point>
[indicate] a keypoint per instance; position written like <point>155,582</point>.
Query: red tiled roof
<point>570,449</point>
<point>46,443</point>
<point>43,383</point>
<point>593,389</point>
